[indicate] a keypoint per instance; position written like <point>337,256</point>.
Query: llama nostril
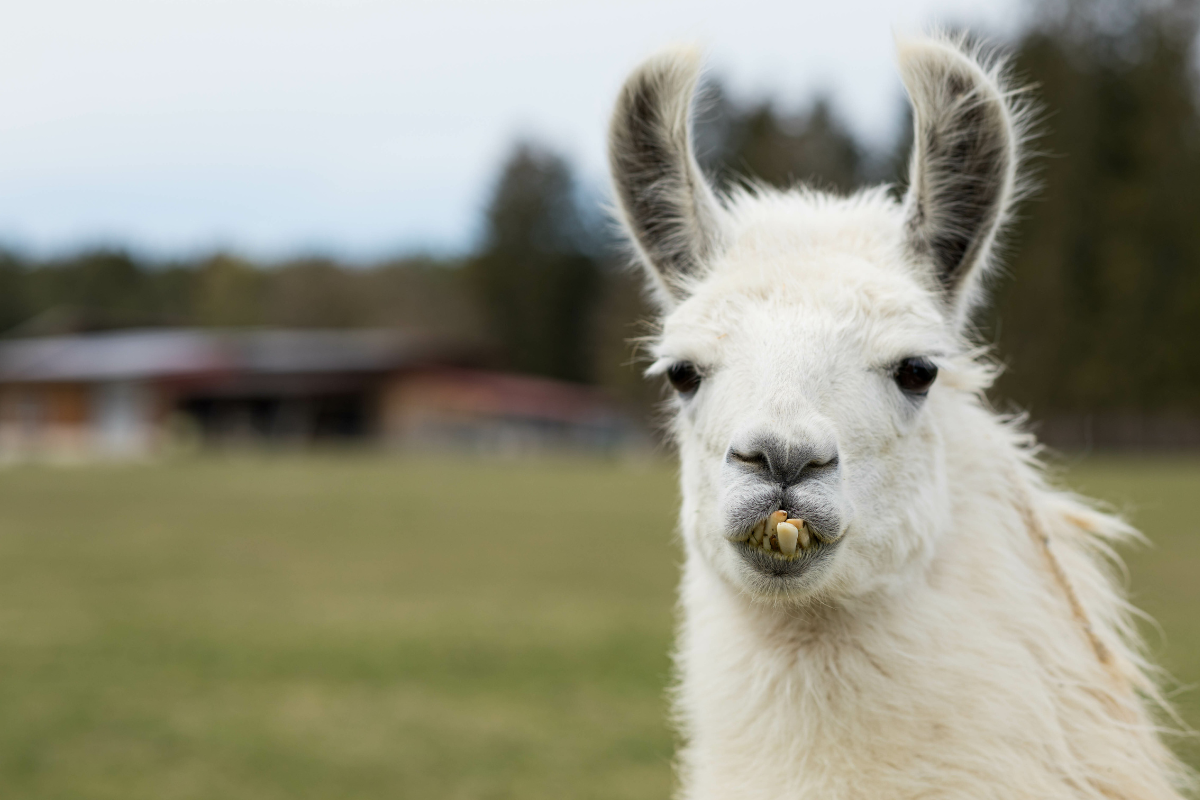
<point>756,459</point>
<point>829,463</point>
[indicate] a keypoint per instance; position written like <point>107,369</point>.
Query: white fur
<point>966,639</point>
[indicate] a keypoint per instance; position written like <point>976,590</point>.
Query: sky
<point>363,128</point>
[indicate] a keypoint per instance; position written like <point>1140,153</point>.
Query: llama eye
<point>916,375</point>
<point>684,377</point>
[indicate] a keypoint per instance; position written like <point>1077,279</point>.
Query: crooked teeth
<point>773,523</point>
<point>804,535</point>
<point>786,538</point>
<point>789,536</point>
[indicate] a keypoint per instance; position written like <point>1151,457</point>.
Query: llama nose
<point>781,460</point>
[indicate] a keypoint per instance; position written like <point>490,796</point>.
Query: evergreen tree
<point>760,143</point>
<point>1102,309</point>
<point>535,278</point>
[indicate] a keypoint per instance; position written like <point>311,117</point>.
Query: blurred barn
<point>135,393</point>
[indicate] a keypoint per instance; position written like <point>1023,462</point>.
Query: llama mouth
<point>780,536</point>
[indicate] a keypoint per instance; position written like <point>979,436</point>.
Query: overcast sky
<point>369,128</point>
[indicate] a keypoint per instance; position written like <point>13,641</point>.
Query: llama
<point>881,596</point>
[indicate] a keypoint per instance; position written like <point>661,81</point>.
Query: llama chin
<point>876,572</point>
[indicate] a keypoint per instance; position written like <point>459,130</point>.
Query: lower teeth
<point>781,537</point>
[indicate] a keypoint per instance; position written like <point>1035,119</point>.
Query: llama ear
<point>963,168</point>
<point>665,202</point>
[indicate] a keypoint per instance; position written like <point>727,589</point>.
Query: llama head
<point>804,332</point>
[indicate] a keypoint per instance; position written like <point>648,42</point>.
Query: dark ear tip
<point>660,90</point>
<point>942,67</point>
<point>676,66</point>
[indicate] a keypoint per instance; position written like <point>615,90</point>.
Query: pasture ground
<point>361,627</point>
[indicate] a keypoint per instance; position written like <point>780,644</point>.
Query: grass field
<point>353,627</point>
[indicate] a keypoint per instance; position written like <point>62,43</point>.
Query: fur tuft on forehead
<point>769,220</point>
<point>801,231</point>
<point>802,252</point>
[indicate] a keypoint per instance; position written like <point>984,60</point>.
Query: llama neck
<point>958,673</point>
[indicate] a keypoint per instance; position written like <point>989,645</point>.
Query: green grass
<point>358,627</point>
<point>1162,497</point>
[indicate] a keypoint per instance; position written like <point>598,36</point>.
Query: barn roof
<point>178,353</point>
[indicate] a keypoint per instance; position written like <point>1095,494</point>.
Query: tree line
<point>1098,309</point>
